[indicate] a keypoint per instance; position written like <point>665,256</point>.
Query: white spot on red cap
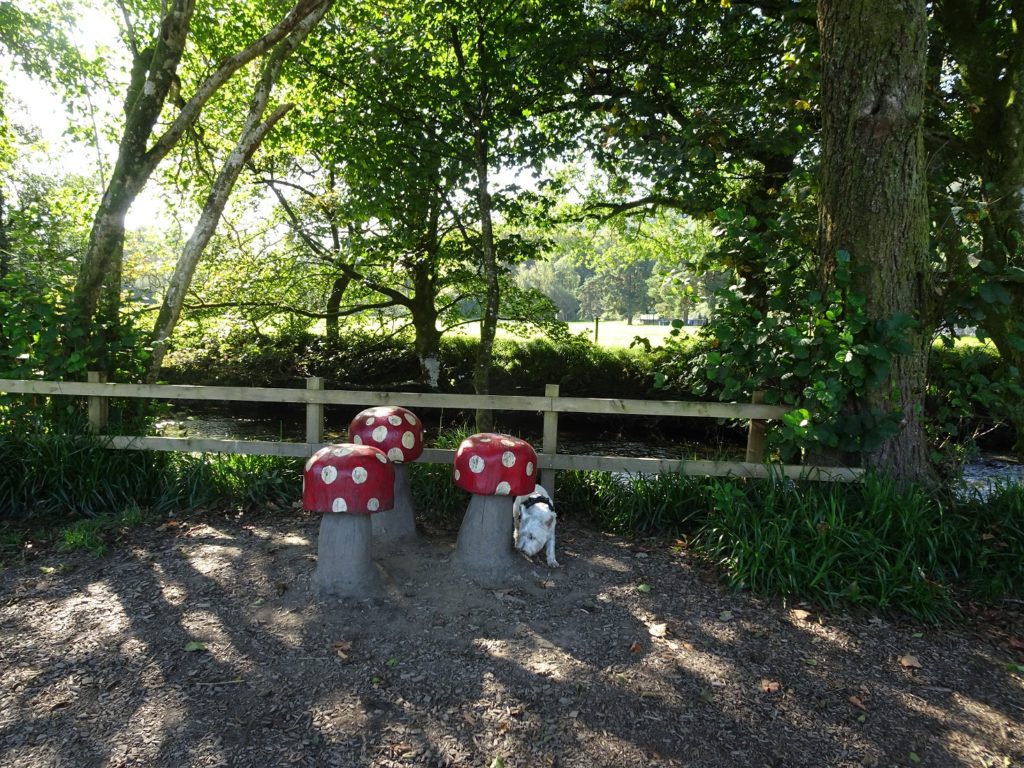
<point>357,439</point>
<point>503,489</point>
<point>309,462</point>
<point>341,451</point>
<point>508,458</point>
<point>395,420</point>
<point>508,443</point>
<point>381,458</point>
<point>380,434</point>
<point>476,464</point>
<point>411,419</point>
<point>328,474</point>
<point>457,474</point>
<point>408,440</point>
<point>369,421</point>
<point>358,475</point>
<point>529,468</point>
<point>339,505</point>
<point>373,504</point>
<point>395,454</point>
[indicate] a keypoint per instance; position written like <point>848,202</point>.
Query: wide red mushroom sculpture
<point>347,483</point>
<point>495,468</point>
<point>399,433</point>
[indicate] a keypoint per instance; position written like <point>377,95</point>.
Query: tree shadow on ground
<point>579,666</point>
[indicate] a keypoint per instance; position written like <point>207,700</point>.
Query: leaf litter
<point>442,672</point>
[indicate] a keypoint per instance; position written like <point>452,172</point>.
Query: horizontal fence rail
<point>315,397</point>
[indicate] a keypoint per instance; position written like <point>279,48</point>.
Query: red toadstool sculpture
<point>399,433</point>
<point>495,468</point>
<point>347,483</point>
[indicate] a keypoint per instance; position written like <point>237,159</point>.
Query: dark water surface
<point>603,436</point>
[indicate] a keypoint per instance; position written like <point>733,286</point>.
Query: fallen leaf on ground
<point>770,686</point>
<point>194,645</point>
<point>658,630</point>
<point>725,615</point>
<point>800,614</point>
<point>857,702</point>
<point>909,662</point>
<point>342,648</point>
<point>635,647</point>
<point>644,588</point>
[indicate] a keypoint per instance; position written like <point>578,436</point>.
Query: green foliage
<point>94,534</point>
<point>968,397</point>
<point>657,504</point>
<point>68,476</point>
<point>871,546</point>
<point>33,347</point>
<point>990,531</point>
<point>64,477</point>
<point>437,498</point>
<point>227,481</point>
<point>812,350</point>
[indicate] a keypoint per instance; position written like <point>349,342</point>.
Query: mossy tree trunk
<point>873,198</point>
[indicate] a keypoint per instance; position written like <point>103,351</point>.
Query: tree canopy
<point>830,185</point>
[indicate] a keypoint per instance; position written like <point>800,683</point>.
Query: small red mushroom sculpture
<point>495,468</point>
<point>347,483</point>
<point>397,432</point>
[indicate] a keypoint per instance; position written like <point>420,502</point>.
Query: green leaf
<point>194,645</point>
<point>995,293</point>
<point>643,588</point>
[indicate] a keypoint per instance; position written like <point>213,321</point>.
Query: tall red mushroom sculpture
<point>399,433</point>
<point>495,468</point>
<point>347,483</point>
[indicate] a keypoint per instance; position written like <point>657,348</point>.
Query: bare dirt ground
<point>200,644</point>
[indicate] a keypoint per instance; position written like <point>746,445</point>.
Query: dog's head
<point>536,523</point>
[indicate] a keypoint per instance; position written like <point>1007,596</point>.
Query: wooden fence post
<point>315,413</point>
<point>549,445</point>
<point>755,432</point>
<point>99,406</point>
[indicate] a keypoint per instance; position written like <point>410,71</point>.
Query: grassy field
<point>610,333</point>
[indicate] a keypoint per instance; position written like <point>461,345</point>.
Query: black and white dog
<point>535,519</point>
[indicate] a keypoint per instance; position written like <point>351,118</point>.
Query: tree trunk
<point>253,132</point>
<point>333,324</point>
<point>154,72</point>
<point>424,321</point>
<point>873,199</point>
<point>489,264</point>
<point>5,237</point>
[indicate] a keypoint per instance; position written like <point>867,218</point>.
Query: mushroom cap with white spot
<point>490,464</point>
<point>393,429</point>
<point>346,478</point>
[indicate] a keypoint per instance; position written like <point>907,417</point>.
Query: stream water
<point>986,472</point>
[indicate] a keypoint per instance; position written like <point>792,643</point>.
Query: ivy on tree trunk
<point>873,198</point>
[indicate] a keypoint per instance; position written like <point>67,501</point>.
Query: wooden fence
<point>551,404</point>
